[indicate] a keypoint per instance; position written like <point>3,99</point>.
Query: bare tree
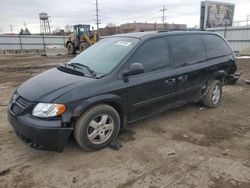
<point>111,25</point>
<point>68,28</point>
<point>111,29</point>
<point>57,31</point>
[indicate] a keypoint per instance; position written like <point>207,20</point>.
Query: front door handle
<point>170,81</point>
<point>183,78</point>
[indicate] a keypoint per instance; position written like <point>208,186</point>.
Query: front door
<point>154,90</point>
<point>151,93</point>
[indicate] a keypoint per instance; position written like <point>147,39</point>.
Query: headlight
<point>45,110</point>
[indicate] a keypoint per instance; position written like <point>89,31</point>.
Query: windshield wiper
<point>71,69</point>
<point>74,66</point>
<point>79,65</point>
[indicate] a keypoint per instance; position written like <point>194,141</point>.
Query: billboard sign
<point>216,14</point>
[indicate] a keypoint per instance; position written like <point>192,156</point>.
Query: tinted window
<point>187,49</point>
<point>215,46</point>
<point>153,54</point>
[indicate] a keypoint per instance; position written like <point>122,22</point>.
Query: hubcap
<point>216,94</point>
<point>100,129</point>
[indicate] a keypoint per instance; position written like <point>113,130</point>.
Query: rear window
<point>215,46</point>
<point>187,49</point>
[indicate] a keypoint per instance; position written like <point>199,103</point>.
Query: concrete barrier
<point>245,52</point>
<point>33,51</point>
<point>55,50</point>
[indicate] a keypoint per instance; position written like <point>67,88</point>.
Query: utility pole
<point>248,18</point>
<point>25,25</point>
<point>11,28</point>
<point>97,15</point>
<point>163,15</point>
<point>205,15</point>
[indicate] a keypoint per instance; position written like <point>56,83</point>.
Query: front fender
<point>105,98</point>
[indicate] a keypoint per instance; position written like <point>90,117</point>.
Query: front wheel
<point>97,127</point>
<point>214,93</point>
<point>83,46</point>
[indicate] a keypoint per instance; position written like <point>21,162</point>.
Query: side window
<point>153,54</point>
<point>187,49</point>
<point>215,46</point>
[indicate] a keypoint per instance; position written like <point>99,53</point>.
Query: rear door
<point>219,55</point>
<point>189,59</point>
<point>154,90</point>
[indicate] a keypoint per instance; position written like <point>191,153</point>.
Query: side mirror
<point>134,69</point>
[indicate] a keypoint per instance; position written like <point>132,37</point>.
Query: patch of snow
<point>243,57</point>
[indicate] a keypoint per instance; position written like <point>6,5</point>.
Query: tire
<point>71,48</point>
<point>214,93</point>
<point>83,46</point>
<point>91,130</point>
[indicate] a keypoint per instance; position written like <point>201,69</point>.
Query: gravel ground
<point>190,146</point>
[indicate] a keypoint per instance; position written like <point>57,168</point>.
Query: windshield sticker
<point>123,43</point>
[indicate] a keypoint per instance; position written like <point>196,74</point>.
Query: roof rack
<point>188,29</point>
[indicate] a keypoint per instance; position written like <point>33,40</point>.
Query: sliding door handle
<point>170,81</point>
<point>182,78</point>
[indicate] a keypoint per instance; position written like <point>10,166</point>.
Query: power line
<point>163,14</point>
<point>97,15</point>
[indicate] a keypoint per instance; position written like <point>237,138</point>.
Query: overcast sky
<point>62,12</point>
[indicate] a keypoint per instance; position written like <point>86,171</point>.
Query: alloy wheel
<point>216,94</point>
<point>100,129</point>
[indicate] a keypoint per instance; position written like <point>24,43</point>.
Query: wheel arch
<point>220,75</point>
<point>66,45</point>
<point>113,100</point>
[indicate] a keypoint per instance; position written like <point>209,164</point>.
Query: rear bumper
<point>44,138</point>
<point>233,78</point>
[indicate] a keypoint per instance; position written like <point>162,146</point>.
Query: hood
<point>51,84</point>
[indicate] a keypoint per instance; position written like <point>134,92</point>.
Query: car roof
<point>147,34</point>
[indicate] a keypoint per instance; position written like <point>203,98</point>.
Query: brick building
<point>137,27</point>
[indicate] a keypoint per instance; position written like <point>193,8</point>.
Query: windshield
<point>105,54</point>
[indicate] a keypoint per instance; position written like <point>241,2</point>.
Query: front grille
<point>19,105</point>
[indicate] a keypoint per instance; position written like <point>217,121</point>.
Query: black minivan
<point>119,80</point>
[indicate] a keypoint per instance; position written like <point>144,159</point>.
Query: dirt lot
<point>189,146</point>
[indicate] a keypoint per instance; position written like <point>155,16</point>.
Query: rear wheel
<point>71,48</point>
<point>97,127</point>
<point>83,46</point>
<point>214,94</point>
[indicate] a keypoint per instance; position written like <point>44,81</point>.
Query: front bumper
<point>44,138</point>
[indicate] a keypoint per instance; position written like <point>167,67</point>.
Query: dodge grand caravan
<point>119,80</point>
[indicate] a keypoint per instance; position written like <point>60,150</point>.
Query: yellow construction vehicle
<point>80,39</point>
